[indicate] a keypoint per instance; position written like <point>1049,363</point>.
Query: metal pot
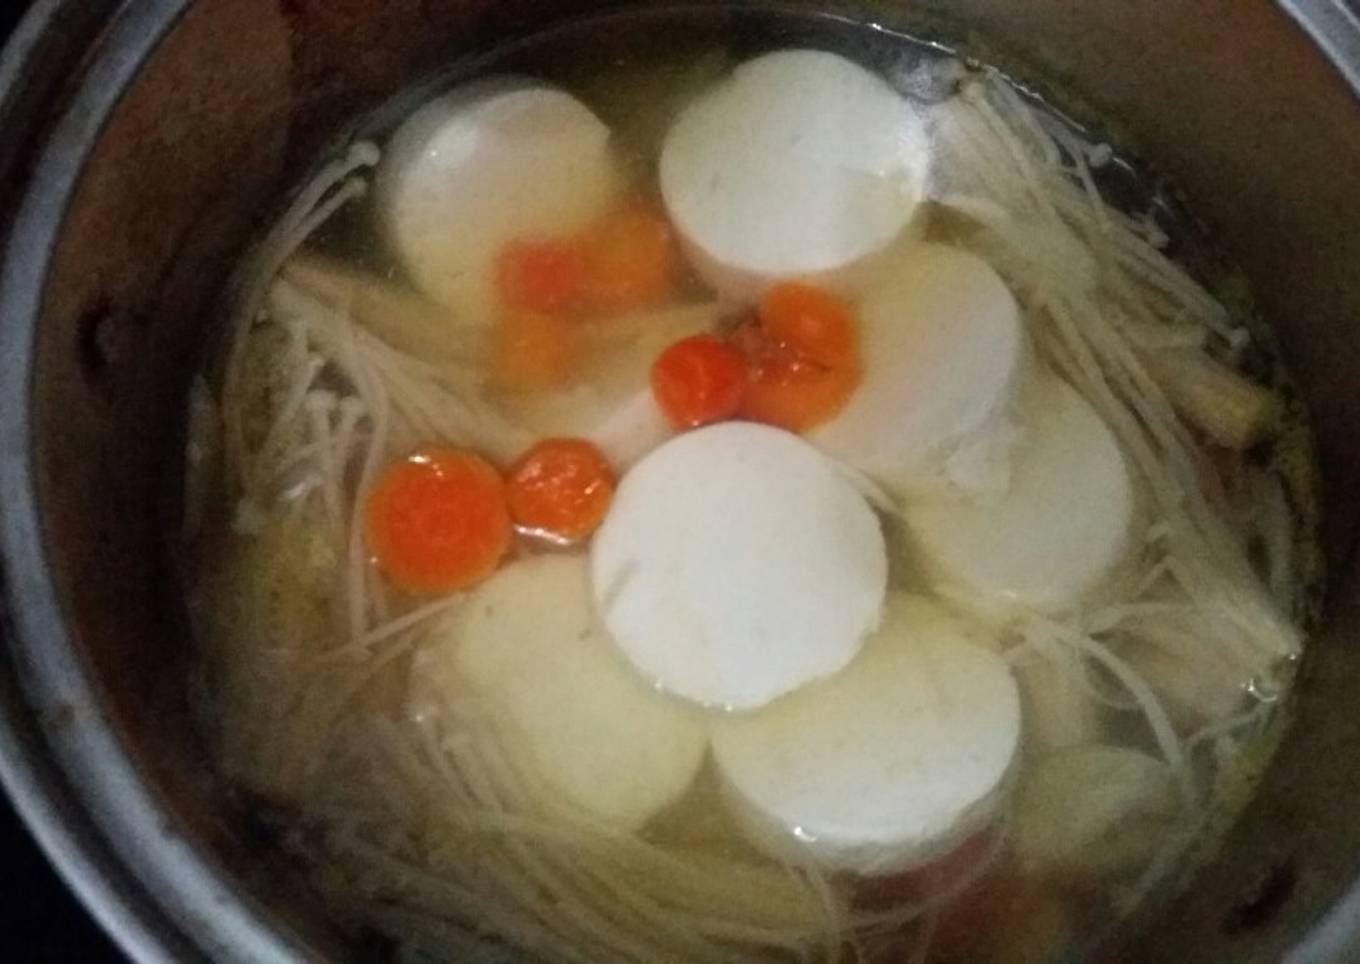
<point>142,141</point>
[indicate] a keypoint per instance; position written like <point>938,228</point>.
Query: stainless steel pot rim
<point>1334,26</point>
<point>61,761</point>
<point>97,819</point>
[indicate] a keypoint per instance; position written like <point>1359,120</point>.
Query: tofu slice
<point>1063,529</point>
<point>527,650</point>
<point>493,160</point>
<point>800,164</point>
<point>944,356</point>
<point>738,564</point>
<point>887,765</point>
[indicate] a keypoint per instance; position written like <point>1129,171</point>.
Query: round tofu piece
<point>1063,528</point>
<point>800,164</point>
<point>737,564</point>
<point>526,649</point>
<point>944,355</point>
<point>492,161</point>
<point>889,764</point>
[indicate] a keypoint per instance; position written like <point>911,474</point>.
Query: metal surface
<point>1334,26</point>
<point>111,845</point>
<point>147,884</point>
<point>127,124</point>
<point>35,65</point>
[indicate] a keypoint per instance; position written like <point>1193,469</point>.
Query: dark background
<point>40,922</point>
<point>39,919</point>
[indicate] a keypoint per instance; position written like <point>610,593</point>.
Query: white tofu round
<point>944,355</point>
<point>887,765</point>
<point>1063,528</point>
<point>801,164</point>
<point>737,564</point>
<point>491,161</point>
<point>527,650</point>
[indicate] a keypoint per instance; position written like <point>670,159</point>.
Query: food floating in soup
<point>789,516</point>
<point>476,186</point>
<point>945,354</point>
<point>801,164</point>
<point>1068,512</point>
<point>527,645</point>
<point>934,718</point>
<point>738,565</point>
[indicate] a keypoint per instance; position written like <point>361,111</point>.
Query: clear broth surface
<point>635,71</point>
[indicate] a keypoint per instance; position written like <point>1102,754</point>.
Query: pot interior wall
<point>1225,97</point>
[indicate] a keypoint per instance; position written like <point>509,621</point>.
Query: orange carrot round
<point>437,521</point>
<point>541,275</point>
<point>795,394</point>
<point>816,325</point>
<point>561,489</point>
<point>699,380</point>
<point>532,350</point>
<point>630,261</point>
<point>804,357</point>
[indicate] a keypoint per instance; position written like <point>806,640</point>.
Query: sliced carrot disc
<point>699,380</point>
<point>789,392</point>
<point>533,350</point>
<point>814,324</point>
<point>803,352</point>
<point>541,275</point>
<point>437,522</point>
<point>561,489</point>
<point>631,260</point>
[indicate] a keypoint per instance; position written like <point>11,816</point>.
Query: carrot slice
<point>541,275</point>
<point>437,521</point>
<point>560,489</point>
<point>814,324</point>
<point>631,261</point>
<point>532,350</point>
<point>699,380</point>
<point>791,393</point>
<point>804,357</point>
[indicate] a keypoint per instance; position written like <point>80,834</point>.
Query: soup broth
<point>727,485</point>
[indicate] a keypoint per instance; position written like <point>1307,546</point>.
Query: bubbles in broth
<point>774,492</point>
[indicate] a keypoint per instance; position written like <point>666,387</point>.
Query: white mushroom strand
<point>340,401</point>
<point>429,826</point>
<point>1093,285</point>
<point>334,186</point>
